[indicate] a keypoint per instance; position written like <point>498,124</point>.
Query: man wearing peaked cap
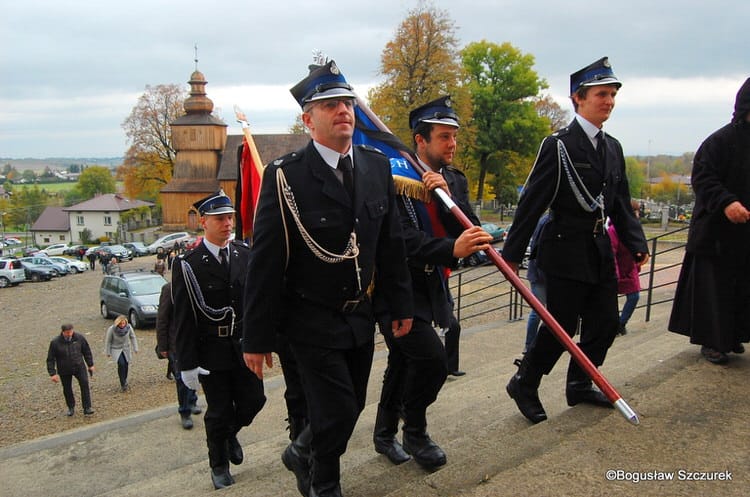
<point>438,111</point>
<point>579,174</point>
<point>595,74</point>
<point>207,288</point>
<point>312,271</point>
<point>214,204</point>
<point>418,363</point>
<point>323,82</point>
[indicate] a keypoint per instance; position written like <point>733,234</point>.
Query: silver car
<point>134,294</point>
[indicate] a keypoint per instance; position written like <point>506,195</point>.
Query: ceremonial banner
<point>249,178</point>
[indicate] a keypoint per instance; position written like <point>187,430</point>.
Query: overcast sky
<point>71,71</point>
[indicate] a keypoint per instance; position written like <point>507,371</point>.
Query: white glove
<point>190,377</point>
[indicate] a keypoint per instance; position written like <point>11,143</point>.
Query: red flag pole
<point>557,330</point>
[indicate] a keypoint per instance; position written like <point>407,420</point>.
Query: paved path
<point>693,420</point>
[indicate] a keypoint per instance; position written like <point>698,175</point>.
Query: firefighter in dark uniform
<point>320,241</point>
<point>579,174</point>
<point>207,290</point>
<point>435,240</point>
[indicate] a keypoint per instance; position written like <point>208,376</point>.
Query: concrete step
<point>491,448</point>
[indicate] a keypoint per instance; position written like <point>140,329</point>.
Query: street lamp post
<point>2,224</point>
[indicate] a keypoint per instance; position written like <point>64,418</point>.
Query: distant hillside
<point>60,162</point>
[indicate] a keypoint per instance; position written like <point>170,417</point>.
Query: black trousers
<point>233,397</point>
<point>294,395</point>
<point>335,385</point>
<point>82,375</point>
<point>595,304</point>
<point>415,373</point>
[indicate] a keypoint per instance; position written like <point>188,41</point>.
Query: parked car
<point>55,249</point>
<point>134,294</point>
<point>37,272</point>
<point>11,272</point>
<point>138,249</point>
<point>495,231</point>
<point>73,250</point>
<point>479,258</point>
<point>39,260</point>
<point>27,251</point>
<point>11,240</point>
<point>167,241</point>
<point>93,249</point>
<point>122,253</point>
<point>74,265</point>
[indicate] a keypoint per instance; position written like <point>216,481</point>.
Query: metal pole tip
<point>627,412</point>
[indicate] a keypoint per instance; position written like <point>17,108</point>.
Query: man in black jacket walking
<point>69,356</point>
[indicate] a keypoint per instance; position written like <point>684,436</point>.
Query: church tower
<point>199,140</point>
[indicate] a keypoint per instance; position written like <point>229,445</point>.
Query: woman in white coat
<point>120,343</point>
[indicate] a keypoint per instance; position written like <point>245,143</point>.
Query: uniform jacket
<point>198,342</point>
<point>428,255</point>
<point>114,345</point>
<point>65,357</point>
<point>304,295</point>
<point>567,247</point>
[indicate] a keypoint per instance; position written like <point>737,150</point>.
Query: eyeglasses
<point>331,104</point>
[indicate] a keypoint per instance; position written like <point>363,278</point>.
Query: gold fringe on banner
<point>412,188</point>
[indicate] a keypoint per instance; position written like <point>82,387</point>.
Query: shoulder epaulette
<point>370,148</point>
<point>240,243</point>
<point>562,131</point>
<point>288,158</point>
<point>454,169</point>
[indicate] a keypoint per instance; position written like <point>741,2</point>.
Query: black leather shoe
<point>332,489</point>
<point>300,466</point>
<point>528,402</point>
<point>196,410</point>
<point>70,412</point>
<point>221,477</point>
<point>586,395</point>
<point>187,423</point>
<point>392,449</point>
<point>424,451</point>
<point>88,411</point>
<point>457,373</point>
<point>738,349</point>
<point>235,450</point>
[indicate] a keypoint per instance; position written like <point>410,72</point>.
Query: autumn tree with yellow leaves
<point>149,161</point>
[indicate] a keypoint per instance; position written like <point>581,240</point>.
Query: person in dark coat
<point>166,346</point>
<point>579,174</point>
<point>326,229</point>
<point>207,288</point>
<point>536,281</point>
<point>69,355</point>
<point>435,240</point>
<point>712,300</point>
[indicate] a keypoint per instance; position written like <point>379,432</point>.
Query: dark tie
<point>600,146</point>
<point>345,166</point>
<point>224,257</point>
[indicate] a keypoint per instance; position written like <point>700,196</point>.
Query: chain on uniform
<point>351,251</point>
<point>595,203</point>
<point>197,299</point>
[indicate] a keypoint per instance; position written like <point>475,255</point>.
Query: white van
<point>167,241</point>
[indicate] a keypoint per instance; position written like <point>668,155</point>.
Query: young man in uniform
<point>435,240</point>
<point>207,289</point>
<point>579,174</point>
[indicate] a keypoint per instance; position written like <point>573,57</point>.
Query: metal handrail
<point>470,286</point>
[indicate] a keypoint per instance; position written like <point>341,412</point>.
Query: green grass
<point>49,187</point>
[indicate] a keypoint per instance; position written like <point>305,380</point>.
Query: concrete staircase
<point>492,450</point>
